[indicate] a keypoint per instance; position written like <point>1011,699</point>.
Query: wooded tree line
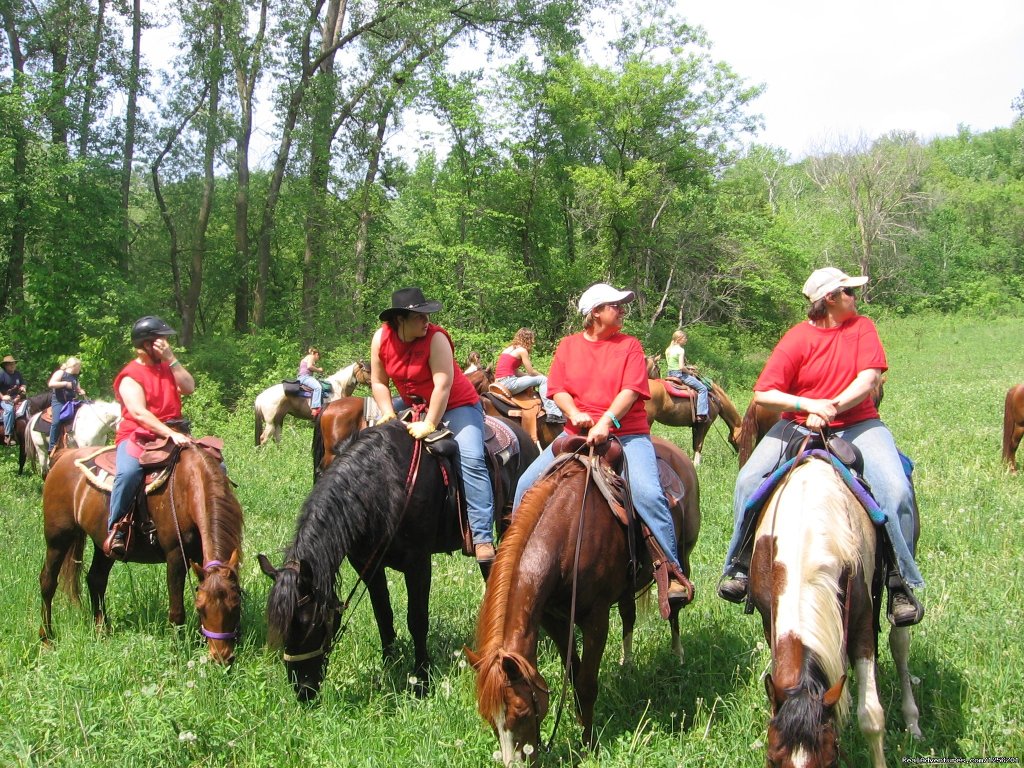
<point>127,190</point>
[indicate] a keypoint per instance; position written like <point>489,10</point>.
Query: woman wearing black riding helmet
<point>149,389</point>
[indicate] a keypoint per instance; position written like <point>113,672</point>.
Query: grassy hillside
<point>144,695</point>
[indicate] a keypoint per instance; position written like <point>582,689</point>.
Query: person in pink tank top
<point>516,357</point>
<point>418,357</point>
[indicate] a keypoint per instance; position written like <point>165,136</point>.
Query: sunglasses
<point>847,291</point>
<point>617,307</point>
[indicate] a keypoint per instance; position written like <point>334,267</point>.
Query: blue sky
<point>839,71</point>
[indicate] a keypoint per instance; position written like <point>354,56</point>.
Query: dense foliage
<point>128,190</point>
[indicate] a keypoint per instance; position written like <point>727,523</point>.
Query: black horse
<point>381,502</point>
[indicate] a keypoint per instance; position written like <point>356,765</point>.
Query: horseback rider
<point>599,380</point>
<point>308,366</point>
<point>149,389</point>
<point>516,356</point>
<point>675,358</point>
<point>64,388</point>
<point>419,358</point>
<point>12,384</point>
<point>821,375</point>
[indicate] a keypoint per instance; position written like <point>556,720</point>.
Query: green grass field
<point>144,694</point>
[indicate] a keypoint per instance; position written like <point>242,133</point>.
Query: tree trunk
<point>85,120</point>
<point>128,151</point>
<point>12,291</point>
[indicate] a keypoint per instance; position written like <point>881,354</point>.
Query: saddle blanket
<point>675,390</point>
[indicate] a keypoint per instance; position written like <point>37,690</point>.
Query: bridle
<point>210,634</point>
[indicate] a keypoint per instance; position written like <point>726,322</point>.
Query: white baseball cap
<point>602,293</point>
<point>824,281</point>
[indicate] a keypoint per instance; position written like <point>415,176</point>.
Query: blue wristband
<point>611,416</point>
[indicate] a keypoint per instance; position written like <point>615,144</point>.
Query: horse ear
<point>511,669</point>
<point>473,657</point>
<point>233,560</point>
<point>197,569</point>
<point>266,566</point>
<point>832,694</point>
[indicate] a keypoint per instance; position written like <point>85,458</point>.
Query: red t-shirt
<point>819,363</point>
<point>162,398</point>
<point>594,372</point>
<point>507,366</point>
<point>407,364</point>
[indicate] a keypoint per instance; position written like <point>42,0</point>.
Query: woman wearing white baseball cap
<point>598,378</point>
<point>820,375</point>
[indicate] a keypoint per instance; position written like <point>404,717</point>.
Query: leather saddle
<point>293,388</point>
<point>525,407</point>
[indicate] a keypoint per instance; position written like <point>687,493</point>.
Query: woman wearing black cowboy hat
<point>419,358</point>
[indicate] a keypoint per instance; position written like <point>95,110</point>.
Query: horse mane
<point>730,414</point>
<point>798,720</point>
<point>748,433</point>
<point>820,540</point>
<point>490,628</point>
<point>224,518</point>
<point>343,508</point>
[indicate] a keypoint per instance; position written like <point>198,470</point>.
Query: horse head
<point>361,372</point>
<point>513,697</point>
<point>219,605</point>
<point>653,366</point>
<point>303,620</point>
<point>802,731</point>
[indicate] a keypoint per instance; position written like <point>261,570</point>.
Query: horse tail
<point>259,422</point>
<point>748,432</point>
<point>71,569</point>
<point>318,448</point>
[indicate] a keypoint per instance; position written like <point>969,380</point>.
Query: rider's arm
<point>379,381</point>
<point>133,397</point>
<point>528,364</point>
<point>442,370</point>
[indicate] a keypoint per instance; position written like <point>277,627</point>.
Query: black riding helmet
<point>150,327</point>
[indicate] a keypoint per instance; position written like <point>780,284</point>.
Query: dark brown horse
<point>758,420</point>
<point>1013,426</point>
<point>814,581</point>
<point>198,520</point>
<point>679,412</point>
<point>539,574</point>
<point>381,503</point>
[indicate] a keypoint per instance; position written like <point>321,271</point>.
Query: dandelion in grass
<point>496,756</point>
<point>413,680</point>
<point>459,744</point>
<point>757,744</point>
<point>187,737</point>
<point>527,749</point>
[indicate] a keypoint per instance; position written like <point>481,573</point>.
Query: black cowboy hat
<point>409,300</point>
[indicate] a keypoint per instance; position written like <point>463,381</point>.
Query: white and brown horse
<point>94,422</point>
<point>813,577</point>
<point>272,404</point>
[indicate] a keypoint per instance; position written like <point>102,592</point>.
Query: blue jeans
<point>8,409</point>
<point>644,485</point>
<point>516,384</point>
<point>883,471</point>
<point>702,391</point>
<point>467,425</point>
<point>55,409</point>
<point>128,476</point>
<point>317,397</point>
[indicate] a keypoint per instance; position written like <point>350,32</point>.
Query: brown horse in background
<point>1013,426</point>
<point>198,520</point>
<point>679,411</point>
<point>536,580</point>
<point>758,420</point>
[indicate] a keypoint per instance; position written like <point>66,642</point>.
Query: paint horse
<point>816,580</point>
<point>673,406</point>
<point>564,561</point>
<point>94,422</point>
<point>1013,426</point>
<point>382,502</point>
<point>196,519</point>
<point>273,403</point>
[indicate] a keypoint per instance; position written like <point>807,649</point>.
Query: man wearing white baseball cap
<point>820,375</point>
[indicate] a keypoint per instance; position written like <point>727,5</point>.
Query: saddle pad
<point>498,437</point>
<point>98,469</point>
<point>677,391</point>
<point>762,494</point>
<point>371,411</point>
<point>43,423</point>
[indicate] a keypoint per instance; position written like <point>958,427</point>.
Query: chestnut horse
<point>198,520</point>
<point>541,579</point>
<point>678,411</point>
<point>272,404</point>
<point>381,503</point>
<point>815,581</point>
<point>1013,426</point>
<point>758,420</point>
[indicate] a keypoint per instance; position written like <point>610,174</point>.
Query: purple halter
<point>217,635</point>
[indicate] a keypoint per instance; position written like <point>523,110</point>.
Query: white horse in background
<point>272,404</point>
<point>94,422</point>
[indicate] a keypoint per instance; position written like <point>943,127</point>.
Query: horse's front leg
<point>899,645</point>
<point>176,586</point>
<point>417,584</point>
<point>380,599</point>
<point>627,613</point>
<point>870,715</point>
<point>700,431</point>
<point>97,578</point>
<point>595,636</point>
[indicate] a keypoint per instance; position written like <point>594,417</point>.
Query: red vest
<point>407,364</point>
<point>162,397</point>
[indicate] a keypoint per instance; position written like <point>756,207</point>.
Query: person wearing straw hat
<point>419,358</point>
<point>12,384</point>
<point>820,375</point>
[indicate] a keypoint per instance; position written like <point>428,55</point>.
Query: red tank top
<point>407,364</point>
<point>507,366</point>
<point>162,398</point>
